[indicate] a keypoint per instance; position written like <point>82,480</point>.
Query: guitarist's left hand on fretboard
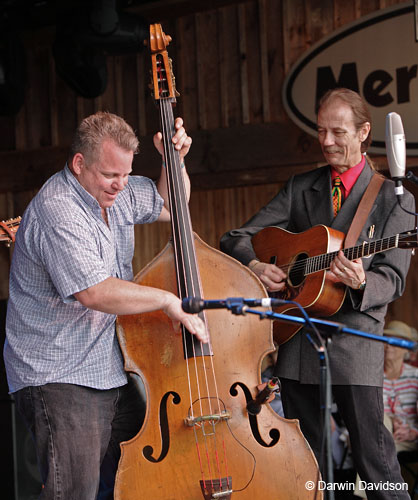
<point>349,272</point>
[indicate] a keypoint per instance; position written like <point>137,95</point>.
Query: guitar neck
<point>323,262</point>
<point>8,230</point>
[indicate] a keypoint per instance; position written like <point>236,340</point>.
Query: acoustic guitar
<point>8,230</point>
<point>305,258</point>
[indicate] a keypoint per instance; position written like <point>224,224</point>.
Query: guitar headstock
<point>408,239</point>
<point>8,230</point>
<point>163,81</point>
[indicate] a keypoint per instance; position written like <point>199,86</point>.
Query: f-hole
<point>273,433</point>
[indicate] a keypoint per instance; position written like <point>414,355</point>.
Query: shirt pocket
<point>124,248</point>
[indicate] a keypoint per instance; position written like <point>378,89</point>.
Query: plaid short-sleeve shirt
<point>64,246</point>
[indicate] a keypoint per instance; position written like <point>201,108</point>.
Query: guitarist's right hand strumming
<point>342,270</point>
<point>272,277</point>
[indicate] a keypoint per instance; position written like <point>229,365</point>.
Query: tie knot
<point>337,182</point>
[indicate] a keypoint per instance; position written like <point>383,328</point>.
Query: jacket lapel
<point>345,216</point>
<point>318,200</point>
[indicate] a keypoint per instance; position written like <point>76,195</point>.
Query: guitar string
<point>351,253</point>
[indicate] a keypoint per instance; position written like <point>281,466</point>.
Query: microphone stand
<point>237,307</point>
<point>413,178</point>
<point>330,327</point>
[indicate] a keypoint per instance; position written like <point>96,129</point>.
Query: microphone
<point>194,305</point>
<point>254,406</point>
<point>395,150</point>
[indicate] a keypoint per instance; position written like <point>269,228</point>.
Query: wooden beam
<point>240,178</point>
<point>225,157</point>
<point>260,145</point>
<point>245,147</point>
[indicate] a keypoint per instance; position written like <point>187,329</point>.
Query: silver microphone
<point>395,150</point>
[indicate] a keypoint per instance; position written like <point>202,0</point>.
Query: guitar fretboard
<point>8,229</point>
<point>323,262</point>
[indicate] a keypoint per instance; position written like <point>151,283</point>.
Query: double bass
<point>198,441</point>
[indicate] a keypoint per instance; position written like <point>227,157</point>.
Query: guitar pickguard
<point>288,293</point>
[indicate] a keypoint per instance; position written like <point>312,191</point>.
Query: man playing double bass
<point>70,276</point>
<point>344,127</point>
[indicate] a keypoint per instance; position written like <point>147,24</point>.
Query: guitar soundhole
<point>296,274</point>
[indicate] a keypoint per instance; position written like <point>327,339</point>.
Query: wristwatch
<point>362,285</point>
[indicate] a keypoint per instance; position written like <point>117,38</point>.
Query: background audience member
<point>400,390</point>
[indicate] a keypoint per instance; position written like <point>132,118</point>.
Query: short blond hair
<point>95,129</point>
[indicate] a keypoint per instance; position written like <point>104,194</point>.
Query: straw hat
<point>414,333</point>
<point>398,329</point>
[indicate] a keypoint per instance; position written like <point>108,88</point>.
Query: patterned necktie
<point>337,195</point>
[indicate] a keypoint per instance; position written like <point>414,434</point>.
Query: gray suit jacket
<point>305,201</point>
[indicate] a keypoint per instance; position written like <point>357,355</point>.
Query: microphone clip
<point>237,306</point>
<point>265,395</point>
<point>411,177</point>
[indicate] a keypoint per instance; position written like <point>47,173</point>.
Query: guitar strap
<point>363,210</point>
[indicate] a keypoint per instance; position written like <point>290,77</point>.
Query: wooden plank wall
<point>229,64</point>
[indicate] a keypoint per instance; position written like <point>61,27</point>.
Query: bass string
<point>186,253</point>
<point>178,217</point>
<point>189,262</point>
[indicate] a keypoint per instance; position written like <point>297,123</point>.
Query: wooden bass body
<point>263,457</point>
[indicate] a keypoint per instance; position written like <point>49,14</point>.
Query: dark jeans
<point>77,431</point>
<point>361,407</point>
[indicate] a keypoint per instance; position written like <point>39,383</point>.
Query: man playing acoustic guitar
<point>308,200</point>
